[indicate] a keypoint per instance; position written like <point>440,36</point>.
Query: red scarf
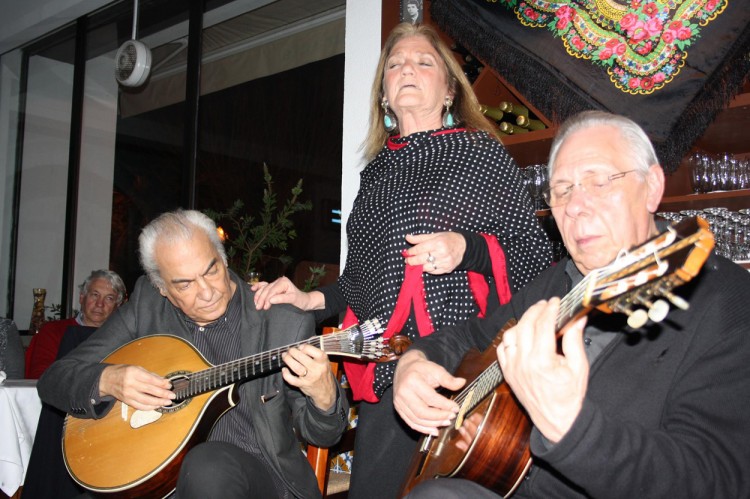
<point>362,375</point>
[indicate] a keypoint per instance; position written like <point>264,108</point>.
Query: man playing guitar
<point>657,412</point>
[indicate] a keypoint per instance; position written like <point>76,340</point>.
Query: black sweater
<point>665,413</point>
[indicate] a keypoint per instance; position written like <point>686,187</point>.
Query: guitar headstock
<point>361,341</point>
<point>637,281</point>
<point>365,341</point>
<point>370,329</point>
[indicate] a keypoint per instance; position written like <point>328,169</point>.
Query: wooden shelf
<point>530,148</point>
<point>526,148</point>
<point>734,200</point>
<point>730,130</point>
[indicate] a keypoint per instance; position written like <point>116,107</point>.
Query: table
<point>19,414</point>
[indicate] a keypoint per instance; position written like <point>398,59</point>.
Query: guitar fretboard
<point>355,341</point>
<point>238,370</point>
<point>589,292</point>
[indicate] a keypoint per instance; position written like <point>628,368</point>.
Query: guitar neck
<point>358,341</point>
<point>236,371</point>
<point>688,243</point>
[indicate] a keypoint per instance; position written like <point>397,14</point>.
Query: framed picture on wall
<point>411,11</point>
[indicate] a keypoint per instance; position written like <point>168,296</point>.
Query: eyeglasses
<point>597,185</point>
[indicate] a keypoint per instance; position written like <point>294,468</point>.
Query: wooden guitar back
<point>498,456</point>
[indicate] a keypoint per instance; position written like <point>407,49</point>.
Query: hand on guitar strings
<point>283,290</point>
<point>550,385</point>
<point>415,397</point>
<point>136,387</point>
<point>308,368</point>
<point>437,252</point>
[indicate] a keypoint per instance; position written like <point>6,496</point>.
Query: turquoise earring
<point>448,120</point>
<point>389,119</point>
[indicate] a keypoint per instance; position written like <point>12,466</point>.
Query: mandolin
<point>497,454</point>
<point>132,453</point>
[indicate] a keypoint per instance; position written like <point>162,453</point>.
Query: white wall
<point>363,20</point>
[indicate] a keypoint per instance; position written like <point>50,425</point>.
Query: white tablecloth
<point>19,415</point>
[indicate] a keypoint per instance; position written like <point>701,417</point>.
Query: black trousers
<point>451,488</point>
<point>383,449</point>
<point>222,470</point>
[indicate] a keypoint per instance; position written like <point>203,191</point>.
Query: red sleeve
<point>478,283</point>
<point>43,348</point>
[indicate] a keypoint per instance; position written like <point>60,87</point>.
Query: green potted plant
<point>249,238</point>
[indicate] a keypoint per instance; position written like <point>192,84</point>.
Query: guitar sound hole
<point>181,386</point>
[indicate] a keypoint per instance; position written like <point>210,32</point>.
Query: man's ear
<point>655,187</point>
<point>162,291</point>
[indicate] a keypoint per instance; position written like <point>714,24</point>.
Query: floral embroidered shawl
<point>669,65</point>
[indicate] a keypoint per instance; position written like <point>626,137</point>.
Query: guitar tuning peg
<point>676,301</point>
<point>636,318</point>
<point>658,310</point>
<point>664,289</point>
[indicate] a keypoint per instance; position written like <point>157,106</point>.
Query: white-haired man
<point>100,294</point>
<point>188,291</point>
<point>659,412</point>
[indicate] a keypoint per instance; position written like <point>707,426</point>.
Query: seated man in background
<point>11,350</point>
<point>188,291</point>
<point>101,293</point>
<point>657,412</point>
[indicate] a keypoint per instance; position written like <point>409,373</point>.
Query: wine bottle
<point>491,112</point>
<point>517,109</point>
<point>466,56</point>
<point>471,72</point>
<point>461,50</point>
<point>530,123</point>
<point>512,129</point>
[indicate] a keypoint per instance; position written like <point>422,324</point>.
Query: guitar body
<point>498,456</point>
<point>131,453</point>
<point>108,455</point>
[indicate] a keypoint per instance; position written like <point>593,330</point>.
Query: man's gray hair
<point>171,227</point>
<point>113,278</point>
<point>640,148</point>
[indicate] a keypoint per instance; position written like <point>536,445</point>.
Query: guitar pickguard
<point>143,418</point>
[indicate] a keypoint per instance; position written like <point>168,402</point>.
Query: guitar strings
<point>213,377</point>
<point>216,376</point>
<point>491,377</point>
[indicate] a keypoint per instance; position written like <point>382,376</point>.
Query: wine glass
<point>538,182</point>
<point>697,172</point>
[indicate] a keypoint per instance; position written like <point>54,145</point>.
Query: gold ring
<point>304,374</point>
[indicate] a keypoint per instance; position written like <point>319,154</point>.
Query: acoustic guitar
<point>132,453</point>
<point>497,455</point>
